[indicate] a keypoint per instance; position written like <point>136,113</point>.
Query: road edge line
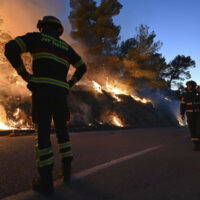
<point>30,194</point>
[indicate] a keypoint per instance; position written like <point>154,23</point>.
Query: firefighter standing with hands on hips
<point>190,104</point>
<point>52,58</point>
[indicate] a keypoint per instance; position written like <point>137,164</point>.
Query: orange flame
<point>3,119</point>
<point>117,90</point>
<point>8,124</point>
<point>97,87</point>
<point>117,121</point>
<point>3,126</point>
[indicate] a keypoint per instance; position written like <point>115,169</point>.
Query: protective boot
<point>66,170</point>
<point>44,184</point>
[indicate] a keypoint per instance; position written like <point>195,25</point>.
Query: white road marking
<point>113,162</point>
<point>30,194</point>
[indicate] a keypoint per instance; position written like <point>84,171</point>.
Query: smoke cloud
<point>20,16</point>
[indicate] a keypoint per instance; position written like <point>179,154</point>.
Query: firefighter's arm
<point>182,108</point>
<point>80,66</point>
<point>13,51</point>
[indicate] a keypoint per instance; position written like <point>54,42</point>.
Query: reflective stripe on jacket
<point>190,102</point>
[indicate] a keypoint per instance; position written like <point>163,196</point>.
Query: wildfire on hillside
<point>19,118</point>
<point>15,106</point>
<point>108,101</point>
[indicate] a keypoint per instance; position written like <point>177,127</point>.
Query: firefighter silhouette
<point>190,105</point>
<point>52,58</point>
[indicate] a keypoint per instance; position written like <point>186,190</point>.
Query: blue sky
<point>175,22</point>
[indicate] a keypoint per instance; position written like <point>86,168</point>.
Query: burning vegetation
<point>127,84</point>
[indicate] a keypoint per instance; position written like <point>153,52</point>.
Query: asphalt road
<point>138,164</point>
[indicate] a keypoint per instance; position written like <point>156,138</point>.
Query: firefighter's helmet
<point>50,20</point>
<point>193,83</point>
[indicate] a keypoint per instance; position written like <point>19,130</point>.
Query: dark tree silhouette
<point>93,25</point>
<point>178,69</point>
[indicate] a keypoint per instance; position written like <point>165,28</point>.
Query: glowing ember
<point>142,100</point>
<point>16,113</point>
<point>116,121</point>
<point>97,87</point>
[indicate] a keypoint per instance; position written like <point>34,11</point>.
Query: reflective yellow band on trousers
<point>50,81</point>
<point>43,55</point>
<point>66,154</point>
<point>43,152</point>
<point>44,156</point>
<point>64,145</point>
<point>43,163</point>
<point>195,139</point>
<point>195,110</point>
<point>189,111</point>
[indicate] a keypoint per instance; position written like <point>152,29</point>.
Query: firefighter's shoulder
<point>33,35</point>
<point>27,41</point>
<point>65,44</point>
<point>30,36</point>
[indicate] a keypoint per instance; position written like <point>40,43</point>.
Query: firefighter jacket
<point>190,102</point>
<point>52,58</point>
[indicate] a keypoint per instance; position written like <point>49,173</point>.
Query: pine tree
<point>178,69</point>
<point>93,25</point>
<point>145,63</point>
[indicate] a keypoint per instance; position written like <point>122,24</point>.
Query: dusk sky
<point>175,22</point>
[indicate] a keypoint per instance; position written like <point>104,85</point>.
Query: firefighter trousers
<point>50,103</point>
<point>193,120</point>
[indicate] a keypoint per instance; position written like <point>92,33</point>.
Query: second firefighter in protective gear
<point>52,58</point>
<point>190,105</point>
